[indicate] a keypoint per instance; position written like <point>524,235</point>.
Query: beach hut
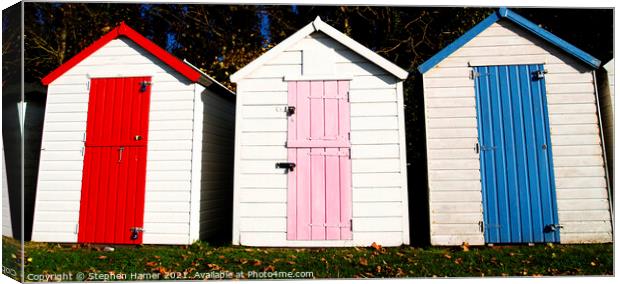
<point>136,148</point>
<point>514,138</point>
<point>320,145</point>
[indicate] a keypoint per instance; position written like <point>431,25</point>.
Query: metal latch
<point>288,166</point>
<point>479,148</point>
<point>143,85</point>
<point>552,228</point>
<point>290,110</point>
<point>137,137</point>
<point>481,226</point>
<point>120,153</point>
<point>474,74</point>
<point>135,231</point>
<point>539,74</point>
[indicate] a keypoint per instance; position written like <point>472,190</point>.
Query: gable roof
<point>505,13</point>
<point>314,26</point>
<point>124,30</point>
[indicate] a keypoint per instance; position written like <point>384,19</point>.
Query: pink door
<point>319,186</point>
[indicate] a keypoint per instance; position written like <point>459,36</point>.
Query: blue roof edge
<point>555,40</point>
<point>459,42</point>
<point>504,12</point>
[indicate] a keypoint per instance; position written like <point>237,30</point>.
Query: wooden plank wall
<point>451,127</point>
<point>169,157</point>
<point>376,157</point>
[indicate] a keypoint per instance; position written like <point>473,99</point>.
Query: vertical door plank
<point>291,215</point>
<point>332,163</point>
<point>344,127</point>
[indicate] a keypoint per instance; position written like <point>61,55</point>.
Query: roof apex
<point>318,25</point>
<point>124,30</point>
<point>505,13</point>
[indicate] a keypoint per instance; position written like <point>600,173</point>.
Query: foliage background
<point>221,39</point>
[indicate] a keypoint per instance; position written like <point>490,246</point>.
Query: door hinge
<point>481,226</point>
<point>351,224</point>
<point>88,85</point>
<point>539,74</point>
<point>348,96</point>
<point>552,228</point>
<point>473,74</point>
<point>82,151</point>
<point>77,228</point>
<point>84,137</point>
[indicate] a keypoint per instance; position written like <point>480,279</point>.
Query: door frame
<point>292,181</point>
<point>546,126</point>
<point>141,177</point>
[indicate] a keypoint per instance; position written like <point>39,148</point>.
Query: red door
<point>112,202</point>
<point>319,186</point>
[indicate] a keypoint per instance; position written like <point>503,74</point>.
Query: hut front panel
<point>378,181</point>
<point>169,156</point>
<point>451,129</point>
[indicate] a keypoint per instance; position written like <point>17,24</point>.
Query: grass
<point>174,262</point>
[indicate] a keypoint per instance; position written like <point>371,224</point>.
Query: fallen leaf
<point>269,268</point>
<point>221,257</point>
<point>593,263</point>
<point>447,256</point>
<point>465,246</point>
<point>378,269</point>
<point>102,257</point>
<point>151,263</point>
<point>363,261</point>
<point>257,262</point>
<point>376,246</point>
<point>157,256</point>
<point>458,261</point>
<point>537,275</point>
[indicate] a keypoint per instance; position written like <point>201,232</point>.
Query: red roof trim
<point>125,30</point>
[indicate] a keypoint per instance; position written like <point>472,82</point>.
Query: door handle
<point>288,166</point>
<point>544,146</point>
<point>290,110</point>
<point>120,153</point>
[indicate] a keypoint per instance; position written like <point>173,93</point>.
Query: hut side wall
<point>606,97</point>
<point>216,158</point>
<point>169,157</point>
<point>451,127</point>
<point>377,138</point>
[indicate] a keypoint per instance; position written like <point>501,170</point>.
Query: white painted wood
<point>7,229</point>
<point>173,159</point>
<point>451,128</point>
<point>318,25</point>
<point>377,152</point>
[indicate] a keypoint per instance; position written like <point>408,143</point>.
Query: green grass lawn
<point>170,262</point>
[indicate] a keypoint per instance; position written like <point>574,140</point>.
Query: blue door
<point>518,185</point>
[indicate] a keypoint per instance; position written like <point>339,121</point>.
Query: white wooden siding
<point>379,177</point>
<point>606,100</point>
<point>7,230</point>
<point>217,153</point>
<point>169,156</point>
<point>451,127</point>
